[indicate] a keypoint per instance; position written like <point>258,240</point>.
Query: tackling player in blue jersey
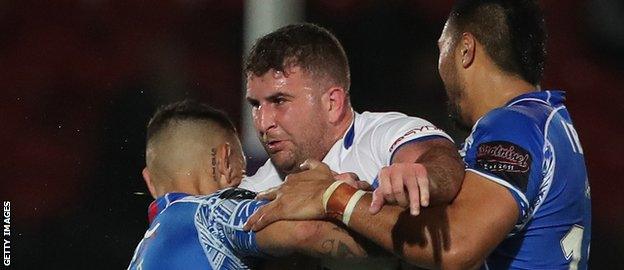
<point>192,151</point>
<point>525,198</point>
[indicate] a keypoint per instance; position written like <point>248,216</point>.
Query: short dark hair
<point>187,110</point>
<point>308,46</point>
<point>513,33</point>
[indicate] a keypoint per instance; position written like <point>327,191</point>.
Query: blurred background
<point>80,79</point>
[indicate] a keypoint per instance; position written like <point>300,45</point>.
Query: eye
<point>279,101</point>
<point>254,103</point>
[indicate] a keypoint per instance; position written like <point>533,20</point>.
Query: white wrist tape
<point>328,192</point>
<point>351,205</point>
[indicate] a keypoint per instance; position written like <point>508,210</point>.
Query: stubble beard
<point>290,164</point>
<point>455,112</point>
<point>455,93</point>
<point>310,148</point>
<point>286,165</point>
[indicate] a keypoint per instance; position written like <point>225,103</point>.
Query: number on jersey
<point>571,245</point>
<point>573,137</point>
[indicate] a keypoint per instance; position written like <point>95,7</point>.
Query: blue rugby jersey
<point>199,232</point>
<point>531,147</point>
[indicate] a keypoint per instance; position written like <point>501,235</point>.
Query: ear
<point>335,100</point>
<point>467,46</point>
<point>148,182</point>
<point>224,165</point>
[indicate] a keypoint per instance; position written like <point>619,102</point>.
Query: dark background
<point>80,79</point>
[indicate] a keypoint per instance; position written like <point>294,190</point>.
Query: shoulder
<point>514,121</point>
<point>229,206</point>
<point>394,122</point>
<point>377,118</point>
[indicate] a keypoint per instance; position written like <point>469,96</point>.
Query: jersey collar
<point>161,203</point>
<point>350,135</point>
<point>549,97</point>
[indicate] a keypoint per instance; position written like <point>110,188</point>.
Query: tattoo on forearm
<point>337,249</point>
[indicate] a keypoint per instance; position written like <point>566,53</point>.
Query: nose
<point>264,118</point>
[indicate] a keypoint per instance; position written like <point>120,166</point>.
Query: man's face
<point>288,116</point>
<point>450,76</point>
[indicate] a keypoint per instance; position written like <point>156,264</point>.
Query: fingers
<point>349,178</point>
<point>404,184</point>
<point>269,194</point>
<point>398,178</point>
<point>264,216</point>
<point>251,221</point>
<point>423,184</point>
<point>385,186</point>
<point>310,164</point>
<point>363,185</point>
<point>413,193</point>
<point>266,219</point>
<point>377,202</point>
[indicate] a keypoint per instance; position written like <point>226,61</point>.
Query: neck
<point>494,90</point>
<point>346,123</point>
<point>336,131</point>
<point>192,185</point>
<point>342,126</point>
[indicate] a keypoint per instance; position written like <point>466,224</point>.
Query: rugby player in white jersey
<point>298,85</point>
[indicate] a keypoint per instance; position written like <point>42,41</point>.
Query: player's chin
<point>283,161</point>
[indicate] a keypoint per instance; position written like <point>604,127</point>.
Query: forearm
<point>455,236</point>
<point>395,230</point>
<point>312,238</point>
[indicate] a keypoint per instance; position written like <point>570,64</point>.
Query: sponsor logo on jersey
<point>410,133</point>
<point>505,160</point>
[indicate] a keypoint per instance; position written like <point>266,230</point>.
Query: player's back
<point>196,232</point>
<point>556,231</point>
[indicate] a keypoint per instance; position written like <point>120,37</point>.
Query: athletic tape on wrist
<point>351,205</point>
<point>328,192</point>
<point>339,200</point>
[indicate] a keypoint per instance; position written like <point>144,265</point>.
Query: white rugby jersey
<point>366,147</point>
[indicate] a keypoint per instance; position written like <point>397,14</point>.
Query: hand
<point>300,197</point>
<point>395,180</point>
<point>353,180</point>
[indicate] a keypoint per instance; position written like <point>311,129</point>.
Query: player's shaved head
<point>182,142</point>
<point>183,147</point>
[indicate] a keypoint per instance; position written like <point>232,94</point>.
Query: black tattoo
<point>214,164</point>
<point>337,249</point>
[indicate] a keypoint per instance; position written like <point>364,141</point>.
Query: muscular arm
<point>455,236</point>
<point>442,163</point>
<point>313,238</point>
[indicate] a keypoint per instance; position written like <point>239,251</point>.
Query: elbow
<point>453,258</point>
<point>456,178</point>
<point>457,174</point>
<point>306,232</point>
<point>455,186</point>
<point>461,259</point>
